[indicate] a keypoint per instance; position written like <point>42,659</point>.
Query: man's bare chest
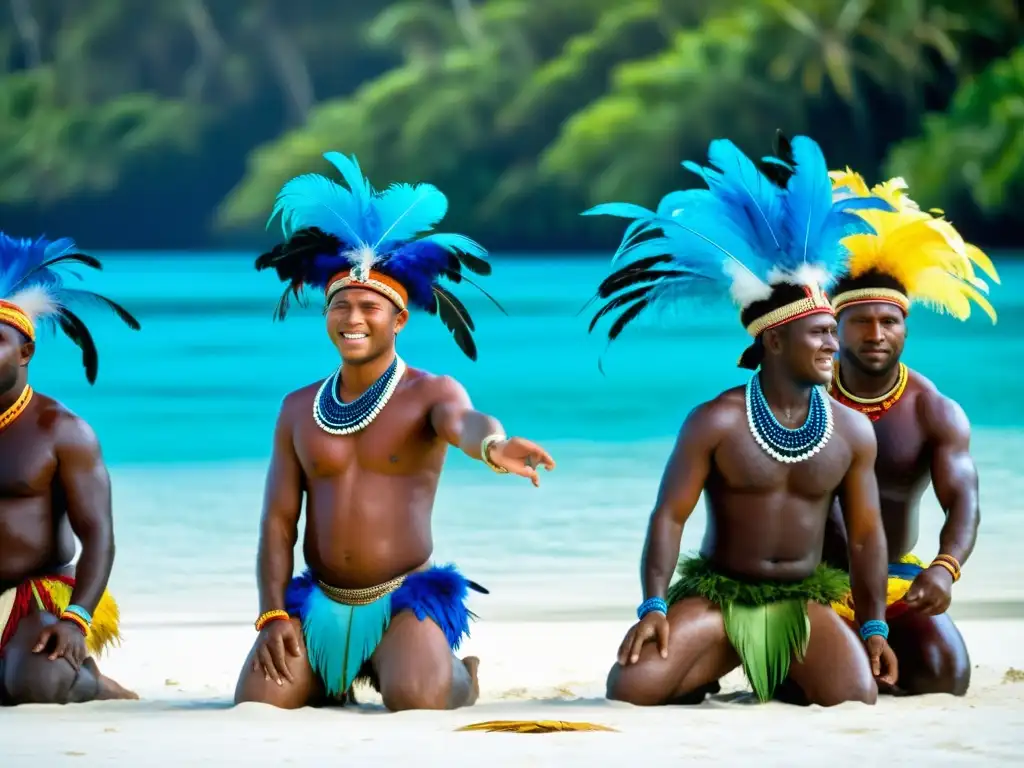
<point>28,466</point>
<point>745,466</point>
<point>398,441</point>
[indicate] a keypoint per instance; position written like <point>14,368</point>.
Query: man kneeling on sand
<point>914,258</point>
<point>769,457</point>
<point>54,487</point>
<point>366,447</point>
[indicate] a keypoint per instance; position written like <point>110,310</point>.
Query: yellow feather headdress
<point>914,257</point>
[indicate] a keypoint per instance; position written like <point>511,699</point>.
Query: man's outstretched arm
<point>455,421</point>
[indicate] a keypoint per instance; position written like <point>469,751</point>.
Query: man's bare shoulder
<point>68,429</point>
<point>433,387</point>
<point>719,415</point>
<point>301,397</point>
<point>941,416</point>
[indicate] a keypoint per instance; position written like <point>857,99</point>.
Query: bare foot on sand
<point>472,664</point>
<point>110,689</point>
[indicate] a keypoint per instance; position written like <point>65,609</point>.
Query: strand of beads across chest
<point>779,442</point>
<point>17,408</point>
<point>338,418</point>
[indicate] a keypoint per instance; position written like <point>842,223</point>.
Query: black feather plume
<point>779,173</point>
<point>456,318</point>
<point>78,333</point>
<point>621,300</point>
<point>632,273</point>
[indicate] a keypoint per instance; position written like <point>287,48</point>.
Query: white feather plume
<point>36,302</point>
<point>745,287</point>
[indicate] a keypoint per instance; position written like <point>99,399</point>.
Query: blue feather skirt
<point>340,639</point>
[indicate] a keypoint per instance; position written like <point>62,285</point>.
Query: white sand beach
<point>543,670</point>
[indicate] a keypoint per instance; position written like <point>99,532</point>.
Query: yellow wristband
<point>269,616</point>
<point>485,448</point>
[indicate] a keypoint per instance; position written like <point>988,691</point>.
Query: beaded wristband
<point>269,616</point>
<point>79,611</point>
<point>943,564</point>
<point>485,447</point>
<point>949,562</point>
<point>77,620</point>
<point>650,605</point>
<point>872,628</point>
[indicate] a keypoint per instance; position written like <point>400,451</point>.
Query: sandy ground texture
<point>529,671</point>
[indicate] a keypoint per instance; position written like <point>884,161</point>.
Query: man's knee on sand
<point>416,669</point>
<point>31,678</point>
<point>639,683</point>
<point>429,687</point>
<point>932,655</point>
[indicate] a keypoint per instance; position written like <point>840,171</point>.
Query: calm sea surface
<point>185,410</point>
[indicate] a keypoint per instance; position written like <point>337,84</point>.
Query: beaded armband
<point>650,605</point>
<point>872,628</point>
<point>269,616</point>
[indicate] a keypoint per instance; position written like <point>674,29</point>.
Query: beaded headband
<point>373,280</point>
<point>871,296</point>
<point>16,317</point>
<point>815,302</point>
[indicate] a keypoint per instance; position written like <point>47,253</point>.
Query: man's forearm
<point>92,572</point>
<point>960,531</point>
<point>275,562</point>
<point>661,553</point>
<point>475,427</point>
<point>869,576</point>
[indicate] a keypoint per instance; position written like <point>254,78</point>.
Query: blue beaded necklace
<point>779,442</point>
<point>338,418</point>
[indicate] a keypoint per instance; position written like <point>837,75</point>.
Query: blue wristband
<point>872,628</point>
<point>80,612</point>
<point>652,604</point>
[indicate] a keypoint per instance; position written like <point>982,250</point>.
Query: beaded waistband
<point>363,596</point>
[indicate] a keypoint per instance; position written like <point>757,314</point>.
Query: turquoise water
<point>185,409</point>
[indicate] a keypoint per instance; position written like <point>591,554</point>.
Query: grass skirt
<point>765,621</point>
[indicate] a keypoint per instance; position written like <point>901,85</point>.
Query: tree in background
<point>524,111</point>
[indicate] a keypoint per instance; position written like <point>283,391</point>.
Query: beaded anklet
<point>650,605</point>
<point>269,616</point>
<point>872,628</point>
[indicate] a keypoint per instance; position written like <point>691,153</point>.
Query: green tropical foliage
<point>524,111</point>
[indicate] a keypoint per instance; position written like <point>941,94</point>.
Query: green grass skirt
<point>766,622</point>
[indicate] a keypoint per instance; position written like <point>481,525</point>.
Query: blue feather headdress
<point>338,238</point>
<point>770,237</point>
<point>33,292</point>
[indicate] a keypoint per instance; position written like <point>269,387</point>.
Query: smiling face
<point>872,336</point>
<point>805,348</point>
<point>363,324</point>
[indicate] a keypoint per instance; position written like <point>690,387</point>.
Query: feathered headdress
<point>35,294</point>
<point>773,244</point>
<point>912,257</point>
<point>338,238</point>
